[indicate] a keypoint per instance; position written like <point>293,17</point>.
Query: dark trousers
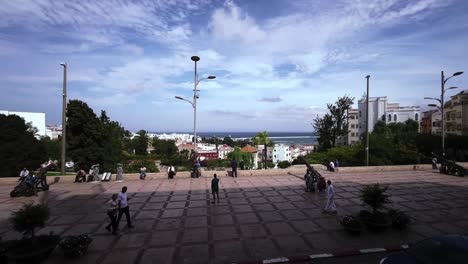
<point>113,222</point>
<point>234,172</point>
<point>126,211</point>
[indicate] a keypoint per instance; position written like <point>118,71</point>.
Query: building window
<point>394,118</point>
<point>360,113</point>
<point>389,118</point>
<point>416,116</point>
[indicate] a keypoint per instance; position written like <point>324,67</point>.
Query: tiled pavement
<point>258,217</point>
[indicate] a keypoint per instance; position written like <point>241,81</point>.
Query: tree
<point>244,159</point>
<point>262,139</point>
<point>113,135</point>
<point>228,141</point>
<point>140,143</point>
<point>19,147</point>
<point>333,124</point>
<point>53,147</point>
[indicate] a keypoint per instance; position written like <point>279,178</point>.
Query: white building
<point>281,152</point>
<point>37,120</point>
<point>436,118</point>
<point>223,151</point>
<point>380,109</point>
<point>53,132</point>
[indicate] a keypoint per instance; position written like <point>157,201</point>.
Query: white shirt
<point>332,165</point>
<point>123,200</point>
<point>170,169</point>
<point>24,173</point>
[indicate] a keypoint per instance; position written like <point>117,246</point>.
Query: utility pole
<point>64,118</point>
<point>195,59</point>
<point>367,122</point>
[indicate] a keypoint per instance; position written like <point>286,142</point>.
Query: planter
<point>351,225</point>
<point>31,250</point>
<point>376,221</point>
<point>75,246</point>
<point>400,220</point>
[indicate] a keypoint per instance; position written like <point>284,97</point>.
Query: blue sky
<point>278,62</point>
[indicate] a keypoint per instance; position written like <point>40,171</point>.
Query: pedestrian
<point>142,173</point>
<point>23,174</point>
<point>434,164</point>
<point>171,172</point>
<point>80,176</point>
<point>96,173</point>
<point>337,164</point>
<point>119,177</point>
<point>123,207</point>
<point>215,187</point>
<point>198,168</point>
<point>112,213</point>
<point>330,207</point>
<point>234,167</point>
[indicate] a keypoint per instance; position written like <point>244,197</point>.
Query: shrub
<point>30,217</point>
<point>350,222</point>
<point>284,164</point>
<point>75,246</point>
<point>400,220</point>
<point>375,196</point>
<point>135,165</point>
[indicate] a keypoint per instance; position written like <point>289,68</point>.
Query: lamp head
<point>195,58</point>
<point>63,64</point>
<point>432,105</point>
<point>178,97</point>
<point>368,76</point>
<point>453,87</point>
<point>457,73</point>
<point>211,77</point>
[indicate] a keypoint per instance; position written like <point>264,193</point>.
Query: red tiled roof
<point>249,148</point>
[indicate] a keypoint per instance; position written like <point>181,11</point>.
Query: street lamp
<point>64,120</point>
<point>367,122</point>
<point>443,80</point>
<point>194,102</point>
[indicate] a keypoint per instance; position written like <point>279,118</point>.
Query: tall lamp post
<point>64,119</point>
<point>194,102</point>
<point>443,80</point>
<point>367,121</point>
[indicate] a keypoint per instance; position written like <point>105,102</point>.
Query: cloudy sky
<point>277,62</point>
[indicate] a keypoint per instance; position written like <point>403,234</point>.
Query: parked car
<point>445,249</point>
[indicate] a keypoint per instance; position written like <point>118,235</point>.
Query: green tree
<point>262,139</point>
<point>333,124</point>
<point>228,141</point>
<point>84,135</point>
<point>113,135</point>
<point>244,159</point>
<point>140,143</point>
<point>53,147</point>
<point>19,147</point>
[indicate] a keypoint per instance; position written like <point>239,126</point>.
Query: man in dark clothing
<point>234,168</point>
<point>215,187</point>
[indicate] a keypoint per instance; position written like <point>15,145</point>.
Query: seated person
<point>23,174</point>
<point>80,176</point>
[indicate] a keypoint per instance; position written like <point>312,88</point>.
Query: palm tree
<point>262,138</point>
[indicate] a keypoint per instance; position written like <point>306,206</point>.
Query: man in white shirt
<point>330,207</point>
<point>23,174</point>
<point>171,172</point>
<point>122,200</point>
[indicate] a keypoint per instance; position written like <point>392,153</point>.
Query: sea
<point>289,138</point>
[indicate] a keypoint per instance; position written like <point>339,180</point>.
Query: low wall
<point>295,169</point>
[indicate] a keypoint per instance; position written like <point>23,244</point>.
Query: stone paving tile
<point>258,217</point>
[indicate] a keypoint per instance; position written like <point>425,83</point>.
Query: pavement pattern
<point>259,217</point>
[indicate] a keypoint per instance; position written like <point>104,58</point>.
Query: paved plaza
<point>258,217</point>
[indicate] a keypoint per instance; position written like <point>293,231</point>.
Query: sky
<point>277,62</point>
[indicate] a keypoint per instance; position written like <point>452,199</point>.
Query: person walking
<point>215,188</point>
<point>142,173</point>
<point>171,172</point>
<point>330,207</point>
<point>119,171</point>
<point>112,213</point>
<point>234,167</point>
<point>123,199</point>
<point>337,164</point>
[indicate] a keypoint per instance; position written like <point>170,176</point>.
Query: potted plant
<point>75,246</point>
<point>351,224</point>
<point>376,197</point>
<point>400,220</point>
<point>31,248</point>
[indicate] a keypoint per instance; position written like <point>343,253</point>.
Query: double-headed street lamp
<point>367,122</point>
<point>442,102</point>
<point>194,102</point>
<point>64,119</point>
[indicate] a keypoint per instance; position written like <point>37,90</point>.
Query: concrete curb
<point>346,253</point>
